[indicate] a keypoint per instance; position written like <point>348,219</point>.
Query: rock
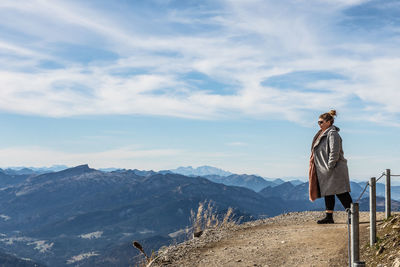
<point>396,227</point>
<point>380,250</point>
<point>239,261</point>
<point>197,234</point>
<point>396,263</point>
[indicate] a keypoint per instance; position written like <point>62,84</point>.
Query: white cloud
<point>248,42</point>
<point>124,157</point>
<point>236,144</point>
<point>129,158</point>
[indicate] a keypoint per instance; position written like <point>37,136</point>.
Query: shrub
<point>207,217</point>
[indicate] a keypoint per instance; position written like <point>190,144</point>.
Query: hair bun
<point>332,112</point>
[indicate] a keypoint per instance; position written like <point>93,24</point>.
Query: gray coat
<point>330,164</point>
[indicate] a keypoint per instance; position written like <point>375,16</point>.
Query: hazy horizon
<point>285,178</point>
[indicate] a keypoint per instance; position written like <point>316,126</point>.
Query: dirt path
<point>288,240</point>
<point>274,245</point>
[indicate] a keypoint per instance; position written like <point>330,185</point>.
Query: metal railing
<point>353,217</point>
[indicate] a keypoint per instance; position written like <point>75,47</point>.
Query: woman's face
<point>324,124</point>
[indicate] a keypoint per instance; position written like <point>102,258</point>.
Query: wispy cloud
<point>236,144</point>
<point>127,157</point>
<point>123,157</point>
<point>236,44</point>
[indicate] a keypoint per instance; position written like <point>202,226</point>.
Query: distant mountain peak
<point>21,170</point>
<point>78,169</point>
<point>81,167</point>
<point>201,171</point>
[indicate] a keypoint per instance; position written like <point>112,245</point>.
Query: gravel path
<point>292,239</point>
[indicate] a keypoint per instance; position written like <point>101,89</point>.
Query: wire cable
<point>383,174</point>
<point>365,188</point>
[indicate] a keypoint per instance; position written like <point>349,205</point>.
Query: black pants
<point>345,198</point>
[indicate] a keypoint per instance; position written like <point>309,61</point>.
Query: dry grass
<point>386,251</point>
<point>146,261</point>
<point>207,217</point>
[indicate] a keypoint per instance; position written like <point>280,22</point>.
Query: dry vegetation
<point>386,251</point>
<point>146,260</point>
<point>206,217</point>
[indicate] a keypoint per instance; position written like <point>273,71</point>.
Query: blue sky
<point>233,84</point>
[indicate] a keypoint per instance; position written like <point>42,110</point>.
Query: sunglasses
<point>320,122</point>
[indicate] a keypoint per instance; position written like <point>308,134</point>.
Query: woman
<point>329,175</point>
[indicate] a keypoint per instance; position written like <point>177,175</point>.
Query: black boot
<point>328,219</point>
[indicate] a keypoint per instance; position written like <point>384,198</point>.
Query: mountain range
<point>86,217</point>
<point>200,171</point>
<point>217,175</point>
